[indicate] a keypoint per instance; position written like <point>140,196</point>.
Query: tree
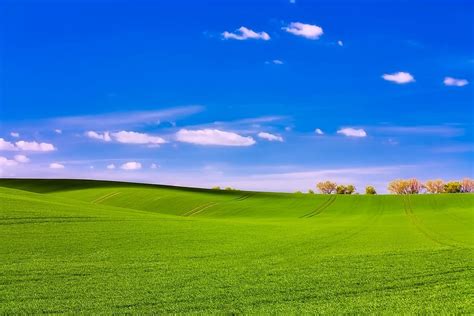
<point>405,186</point>
<point>310,191</point>
<point>345,189</point>
<point>350,189</point>
<point>326,187</point>
<point>452,187</point>
<point>434,186</point>
<point>370,190</point>
<point>341,189</point>
<point>216,188</point>
<point>398,186</point>
<point>467,185</point>
<point>414,186</point>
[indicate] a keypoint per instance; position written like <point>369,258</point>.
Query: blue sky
<point>264,95</point>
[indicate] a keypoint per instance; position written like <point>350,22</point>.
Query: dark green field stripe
<point>420,227</point>
<point>321,207</point>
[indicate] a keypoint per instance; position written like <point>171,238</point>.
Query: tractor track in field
<point>320,208</point>
<point>199,209</point>
<point>105,197</point>
<point>243,197</point>
<point>421,228</point>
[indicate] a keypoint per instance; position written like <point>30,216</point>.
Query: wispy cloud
<point>123,119</point>
<point>318,131</point>
<point>270,137</point>
<point>244,33</point>
<point>450,81</point>
<point>15,134</point>
<point>131,165</point>
<point>436,130</point>
<point>56,165</point>
<point>308,31</point>
<point>399,77</point>
<point>126,137</point>
<point>213,137</point>
<point>275,62</point>
<point>352,132</point>
<point>457,148</point>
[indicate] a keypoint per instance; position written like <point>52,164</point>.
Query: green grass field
<point>70,246</point>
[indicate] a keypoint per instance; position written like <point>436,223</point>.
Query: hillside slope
<point>90,246</point>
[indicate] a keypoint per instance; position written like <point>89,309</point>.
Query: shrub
<point>467,185</point>
<point>310,191</point>
<point>216,188</point>
<point>326,187</point>
<point>370,190</point>
<point>229,189</point>
<point>452,187</point>
<point>434,186</point>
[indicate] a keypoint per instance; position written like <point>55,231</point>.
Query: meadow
<point>77,246</point>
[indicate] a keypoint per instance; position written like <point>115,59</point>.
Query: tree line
<point>402,186</point>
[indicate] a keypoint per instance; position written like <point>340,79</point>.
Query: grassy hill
<point>96,246</point>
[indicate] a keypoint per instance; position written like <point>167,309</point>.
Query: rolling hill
<point>72,246</point>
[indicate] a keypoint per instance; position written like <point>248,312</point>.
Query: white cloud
<point>21,158</point>
<point>6,145</point>
<point>131,165</point>
<point>137,138</point>
<point>55,165</point>
<point>306,30</point>
<point>213,137</point>
<point>154,166</point>
<point>340,43</point>
<point>58,131</point>
<point>352,132</point>
<point>399,77</point>
<point>319,131</point>
<point>4,162</point>
<point>15,134</point>
<point>244,33</point>
<point>292,1</point>
<point>450,81</point>
<point>270,137</point>
<point>111,166</point>
<point>34,146</point>
<point>101,136</point>
<point>276,62</point>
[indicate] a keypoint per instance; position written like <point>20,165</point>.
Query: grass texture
<point>78,246</point>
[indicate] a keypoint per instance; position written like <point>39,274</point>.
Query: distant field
<point>70,246</point>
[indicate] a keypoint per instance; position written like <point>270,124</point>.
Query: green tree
<point>370,190</point>
<point>350,189</point>
<point>452,187</point>
<point>341,189</point>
